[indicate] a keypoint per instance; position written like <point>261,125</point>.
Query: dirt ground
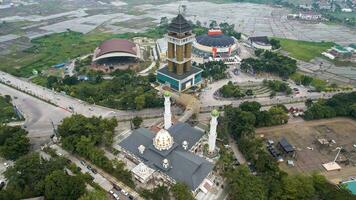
<point>310,154</point>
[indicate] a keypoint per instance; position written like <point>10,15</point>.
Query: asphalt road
<point>38,114</point>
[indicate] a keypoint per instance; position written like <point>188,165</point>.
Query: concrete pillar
<point>212,133</point>
<point>171,55</point>
<point>170,66</point>
<point>188,66</point>
<point>180,69</point>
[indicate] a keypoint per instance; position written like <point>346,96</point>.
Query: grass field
<point>7,113</point>
<point>304,50</point>
<point>50,50</point>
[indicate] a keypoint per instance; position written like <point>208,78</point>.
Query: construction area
<point>314,143</point>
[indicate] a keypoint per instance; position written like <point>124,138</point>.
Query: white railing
<point>182,41</point>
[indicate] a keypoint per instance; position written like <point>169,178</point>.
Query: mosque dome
<point>163,140</point>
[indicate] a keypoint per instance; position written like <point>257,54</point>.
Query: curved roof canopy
<point>116,47</point>
<point>215,40</point>
<point>179,25</point>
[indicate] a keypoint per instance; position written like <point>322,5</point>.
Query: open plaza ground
<point>310,154</point>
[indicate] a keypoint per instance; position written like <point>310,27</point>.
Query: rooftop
<point>179,25</point>
<point>184,166</point>
<point>165,71</point>
<point>260,39</point>
<point>217,40</point>
<point>116,45</point>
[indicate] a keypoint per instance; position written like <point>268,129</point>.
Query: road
<point>38,114</point>
<point>103,179</point>
<point>208,100</point>
<point>72,104</point>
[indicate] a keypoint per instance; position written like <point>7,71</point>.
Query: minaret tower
<point>167,110</point>
<point>212,134</point>
<point>180,39</point>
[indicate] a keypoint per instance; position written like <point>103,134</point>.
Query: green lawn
<point>7,113</point>
<point>50,50</point>
<point>303,50</point>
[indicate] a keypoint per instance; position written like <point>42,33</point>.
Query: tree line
<point>84,136</point>
<point>126,91</point>
<point>215,70</point>
<point>343,105</point>
<point>231,90</point>
<point>270,62</point>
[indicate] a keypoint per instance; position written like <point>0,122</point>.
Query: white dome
<point>163,140</point>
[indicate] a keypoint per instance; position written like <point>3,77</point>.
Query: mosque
<point>170,154</point>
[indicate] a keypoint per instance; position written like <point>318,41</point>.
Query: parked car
<point>89,168</point>
<point>124,192</point>
<point>83,162</point>
<point>94,171</point>
<point>2,185</point>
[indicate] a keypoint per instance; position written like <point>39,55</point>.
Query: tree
<point>308,103</point>
<point>250,106</point>
<point>151,77</point>
<point>13,142</point>
<point>140,102</point>
<point>94,195</point>
<point>297,187</point>
<point>181,191</point>
<point>245,186</point>
<point>158,193</point>
<point>275,43</point>
<point>26,176</point>
<point>137,121</point>
<point>213,24</point>
<point>60,186</point>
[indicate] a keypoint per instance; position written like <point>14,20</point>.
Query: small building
<point>285,146</point>
<point>310,16</point>
<point>341,52</point>
<point>260,42</point>
<point>142,172</point>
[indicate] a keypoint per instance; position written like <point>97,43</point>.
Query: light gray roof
<point>185,166</point>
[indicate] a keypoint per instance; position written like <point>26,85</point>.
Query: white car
<point>111,192</point>
<point>116,196</point>
<point>124,192</point>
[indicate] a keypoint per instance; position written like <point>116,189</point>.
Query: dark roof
<point>260,39</point>
<point>179,25</point>
<point>185,166</point>
<point>165,71</point>
<point>117,45</point>
<point>215,40</point>
<point>286,146</point>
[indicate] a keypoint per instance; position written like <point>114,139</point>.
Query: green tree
<point>140,102</point>
<point>137,121</point>
<point>13,142</point>
<point>151,77</point>
<point>308,103</point>
<point>158,193</point>
<point>26,176</point>
<point>297,187</point>
<point>60,186</point>
<point>181,191</point>
<point>94,195</point>
<point>245,186</point>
